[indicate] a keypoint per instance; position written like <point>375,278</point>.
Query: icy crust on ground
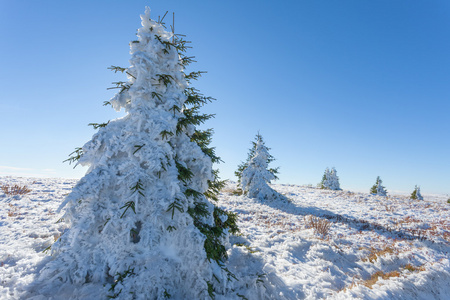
<point>405,241</point>
<point>28,227</point>
<point>278,256</point>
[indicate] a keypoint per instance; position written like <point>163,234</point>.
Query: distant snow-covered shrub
<point>330,180</point>
<point>416,195</point>
<point>378,189</point>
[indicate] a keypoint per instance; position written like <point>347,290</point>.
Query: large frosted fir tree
<point>330,180</point>
<point>256,176</point>
<point>141,223</point>
<point>251,154</point>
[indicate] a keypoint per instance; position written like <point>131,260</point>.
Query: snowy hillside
<point>321,244</point>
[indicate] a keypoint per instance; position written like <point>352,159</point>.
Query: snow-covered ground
<point>375,248</point>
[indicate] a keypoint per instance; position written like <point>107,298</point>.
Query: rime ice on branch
<point>142,223</point>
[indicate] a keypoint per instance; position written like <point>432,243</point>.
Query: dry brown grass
<point>230,191</point>
<point>375,253</point>
<point>13,211</point>
<point>375,277</point>
<point>412,268</point>
<point>12,190</point>
<point>321,226</point>
<point>389,208</point>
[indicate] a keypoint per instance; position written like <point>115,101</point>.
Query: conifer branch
<point>175,109</point>
<point>129,204</point>
<point>120,278</point>
<point>194,75</point>
<point>200,209</point>
<point>117,69</point>
<point>211,289</point>
<point>184,174</point>
<point>175,205</point>
<point>166,133</point>
<point>165,79</point>
<point>123,86</point>
<point>161,22</point>
<point>138,147</point>
<point>138,187</point>
<point>98,125</point>
<point>171,228</point>
<point>187,60</point>
<point>192,193</point>
<point>241,296</point>
<point>120,69</point>
<point>157,95</point>
<point>75,156</point>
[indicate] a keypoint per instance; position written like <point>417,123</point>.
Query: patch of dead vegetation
<point>379,274</point>
<point>320,226</point>
<point>13,190</point>
<point>375,253</point>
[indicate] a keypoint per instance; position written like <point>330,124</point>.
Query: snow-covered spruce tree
<point>251,154</point>
<point>416,195</point>
<point>256,176</point>
<point>377,188</point>
<point>322,184</point>
<point>141,223</point>
<point>330,180</point>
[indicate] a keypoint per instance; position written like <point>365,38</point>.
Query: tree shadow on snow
<point>254,278</point>
<point>356,223</point>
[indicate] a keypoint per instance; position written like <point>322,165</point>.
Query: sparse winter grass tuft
<point>13,211</point>
<point>375,277</point>
<point>321,226</point>
<point>12,190</point>
<point>375,253</point>
<point>412,268</point>
<point>389,208</point>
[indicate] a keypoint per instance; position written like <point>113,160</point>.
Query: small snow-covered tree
<point>324,179</point>
<point>251,154</point>
<point>416,195</point>
<point>256,176</point>
<point>330,180</point>
<point>377,188</point>
<point>141,221</point>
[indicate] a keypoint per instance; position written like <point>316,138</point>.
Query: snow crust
<point>277,256</point>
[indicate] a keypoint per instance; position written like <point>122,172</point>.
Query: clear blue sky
<point>363,86</point>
